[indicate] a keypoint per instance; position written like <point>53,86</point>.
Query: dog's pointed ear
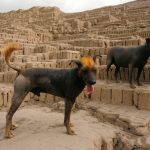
<point>94,58</point>
<point>147,41</point>
<point>77,62</point>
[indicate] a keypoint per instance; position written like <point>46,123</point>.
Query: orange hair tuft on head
<point>87,61</point>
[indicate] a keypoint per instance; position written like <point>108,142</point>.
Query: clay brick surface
<point>117,96</point>
<point>144,100</point>
<point>128,97</point>
<point>106,95</point>
<point>96,95</point>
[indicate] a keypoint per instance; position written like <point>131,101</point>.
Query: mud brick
<point>5,77</point>
<point>54,55</point>
<point>98,73</point>
<point>51,55</point>
<point>104,72</point>
<point>29,65</point>
<point>31,96</point>
<point>97,62</point>
<point>58,54</point>
<point>42,97</point>
<point>1,77</point>
<point>5,98</point>
<point>117,96</point>
<point>86,52</point>
<point>35,97</point>
<point>34,65</point>
<point>92,52</point>
<point>1,98</point>
<point>122,72</point>
<point>47,65</point>
<point>146,73</point>
<point>128,97</point>
<point>46,57</point>
<point>27,98</point>
<point>103,60</point>
<point>144,100</point>
<point>105,50</point>
<point>97,52</point>
<point>58,99</point>
<point>96,95</point>
<point>34,58</point>
<point>27,51</point>
<point>11,75</point>
<point>39,58</point>
<point>65,55</point>
<point>82,52</point>
<point>106,94</point>
<point>49,99</point>
<point>80,98</point>
<point>40,65</point>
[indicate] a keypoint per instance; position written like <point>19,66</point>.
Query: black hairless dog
<point>65,83</point>
<point>133,57</point>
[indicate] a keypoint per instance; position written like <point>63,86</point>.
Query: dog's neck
<point>79,77</point>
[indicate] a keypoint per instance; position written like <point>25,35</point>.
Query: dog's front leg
<point>138,75</point>
<point>131,75</point>
<point>68,108</point>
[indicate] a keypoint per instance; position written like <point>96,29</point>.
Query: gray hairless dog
<point>65,83</point>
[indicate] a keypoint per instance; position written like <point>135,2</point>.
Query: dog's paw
<point>139,84</point>
<point>132,86</point>
<point>9,135</point>
<point>71,132</point>
<point>13,126</point>
<point>71,124</point>
<point>117,81</point>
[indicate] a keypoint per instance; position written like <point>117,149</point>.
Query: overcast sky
<point>64,5</point>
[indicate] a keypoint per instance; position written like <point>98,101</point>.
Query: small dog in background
<point>133,57</point>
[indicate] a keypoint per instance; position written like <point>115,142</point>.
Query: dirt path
<point>41,129</point>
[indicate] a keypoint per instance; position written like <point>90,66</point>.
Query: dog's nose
<point>92,82</point>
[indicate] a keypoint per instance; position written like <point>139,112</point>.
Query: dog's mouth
<point>89,89</point>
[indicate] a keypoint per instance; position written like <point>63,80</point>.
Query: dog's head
<point>87,71</point>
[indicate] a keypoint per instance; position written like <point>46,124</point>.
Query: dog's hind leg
<point>16,102</point>
<point>138,76</point>
<point>117,70</point>
<point>68,108</point>
<point>131,76</point>
<point>21,89</point>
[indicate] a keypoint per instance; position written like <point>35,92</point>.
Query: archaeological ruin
<point>51,38</point>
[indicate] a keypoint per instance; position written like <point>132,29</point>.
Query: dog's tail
<point>7,51</point>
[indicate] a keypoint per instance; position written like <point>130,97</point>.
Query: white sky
<point>64,5</point>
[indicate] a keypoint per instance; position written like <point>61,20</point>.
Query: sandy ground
<point>41,129</point>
